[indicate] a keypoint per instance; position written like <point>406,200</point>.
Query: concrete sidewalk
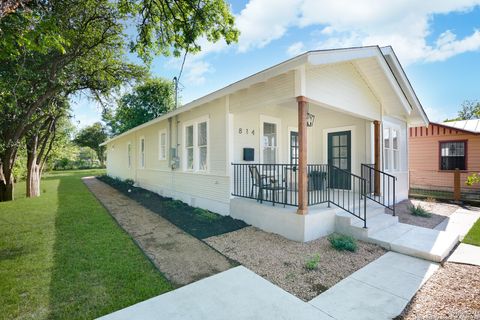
<point>466,254</point>
<point>380,290</point>
<point>234,294</point>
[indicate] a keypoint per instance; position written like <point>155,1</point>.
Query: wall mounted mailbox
<point>248,154</point>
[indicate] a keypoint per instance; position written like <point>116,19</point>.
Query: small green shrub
<point>130,182</point>
<point>312,262</point>
<point>206,215</point>
<point>418,211</point>
<point>341,242</point>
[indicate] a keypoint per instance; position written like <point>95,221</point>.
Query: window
<point>189,146</point>
<point>142,152</point>
<point>202,146</point>
<point>269,142</point>
<point>129,154</point>
<point>391,148</point>
<point>196,146</point>
<point>162,148</point>
<point>452,155</point>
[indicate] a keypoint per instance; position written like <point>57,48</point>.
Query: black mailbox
<point>248,154</point>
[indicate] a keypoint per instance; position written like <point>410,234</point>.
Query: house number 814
<point>246,131</point>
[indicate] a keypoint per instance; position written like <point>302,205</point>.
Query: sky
<point>437,42</point>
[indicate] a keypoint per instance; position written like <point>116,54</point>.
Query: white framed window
<point>269,139</point>
<point>129,154</point>
<point>142,152</point>
<point>391,149</point>
<point>162,144</point>
<point>196,157</point>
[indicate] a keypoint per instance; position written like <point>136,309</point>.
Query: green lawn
<point>62,256</point>
<point>473,236</point>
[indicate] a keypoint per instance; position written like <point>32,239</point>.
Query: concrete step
<point>429,244</point>
<point>376,223</point>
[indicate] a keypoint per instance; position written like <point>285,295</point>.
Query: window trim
<point>160,133</point>
<point>465,141</point>
<point>142,153</point>
<point>391,150</point>
<point>196,148</point>
<point>129,154</point>
<point>278,123</point>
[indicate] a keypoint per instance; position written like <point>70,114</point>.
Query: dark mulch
<point>198,222</point>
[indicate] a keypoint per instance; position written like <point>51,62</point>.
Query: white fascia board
<point>389,51</point>
<point>341,55</point>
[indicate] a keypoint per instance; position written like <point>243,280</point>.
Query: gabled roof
<point>472,126</point>
<point>385,55</point>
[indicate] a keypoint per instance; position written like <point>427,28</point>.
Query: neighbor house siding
<point>424,155</point>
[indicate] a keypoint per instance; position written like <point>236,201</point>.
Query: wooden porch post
<point>302,156</point>
<point>376,133</point>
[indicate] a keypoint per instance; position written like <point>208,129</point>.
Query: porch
<point>267,196</point>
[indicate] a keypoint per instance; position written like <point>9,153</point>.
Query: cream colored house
<point>287,149</point>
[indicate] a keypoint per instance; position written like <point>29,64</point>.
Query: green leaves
<point>147,101</point>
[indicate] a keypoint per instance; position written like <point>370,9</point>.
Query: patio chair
<point>266,183</point>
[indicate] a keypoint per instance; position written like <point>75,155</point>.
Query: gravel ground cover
<point>195,221</point>
<point>283,262</point>
<point>439,210</point>
<point>453,292</point>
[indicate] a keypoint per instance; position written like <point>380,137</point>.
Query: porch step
<point>385,230</point>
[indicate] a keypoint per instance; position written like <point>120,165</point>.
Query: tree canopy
<point>92,136</point>
<point>470,109</point>
<point>145,102</point>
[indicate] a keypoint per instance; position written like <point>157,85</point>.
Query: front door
<point>340,156</point>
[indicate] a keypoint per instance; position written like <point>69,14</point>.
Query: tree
<point>147,101</point>
<point>92,137</point>
<point>91,59</point>
<point>470,109</point>
<point>60,47</point>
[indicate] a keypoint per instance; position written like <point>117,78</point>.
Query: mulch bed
<point>439,210</point>
<point>283,262</point>
<point>453,292</point>
<point>195,221</point>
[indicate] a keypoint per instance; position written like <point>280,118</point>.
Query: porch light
<point>310,119</point>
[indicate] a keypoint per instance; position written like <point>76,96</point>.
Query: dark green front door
<point>340,156</point>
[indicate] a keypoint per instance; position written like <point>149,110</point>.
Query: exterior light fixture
<point>310,119</point>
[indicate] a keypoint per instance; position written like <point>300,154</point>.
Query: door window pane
<point>269,142</point>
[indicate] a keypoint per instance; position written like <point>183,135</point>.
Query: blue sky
<point>437,42</point>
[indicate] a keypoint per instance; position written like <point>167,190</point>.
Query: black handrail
<point>351,187</point>
<point>278,183</point>
<point>381,190</point>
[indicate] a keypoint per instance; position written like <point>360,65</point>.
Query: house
<point>285,148</point>
<point>437,150</point>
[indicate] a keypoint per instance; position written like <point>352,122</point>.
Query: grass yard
<point>473,236</point>
<point>62,256</point>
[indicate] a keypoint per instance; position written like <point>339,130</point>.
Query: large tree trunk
<point>33,175</point>
<point>6,174</point>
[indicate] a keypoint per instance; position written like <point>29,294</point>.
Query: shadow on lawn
<point>97,268</point>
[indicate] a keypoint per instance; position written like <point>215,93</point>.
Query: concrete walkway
<point>466,254</point>
<point>380,290</point>
<point>179,256</point>
<point>234,294</point>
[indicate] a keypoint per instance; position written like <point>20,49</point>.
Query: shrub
<point>418,211</point>
<point>130,182</point>
<point>341,242</point>
<point>312,263</point>
<point>206,215</point>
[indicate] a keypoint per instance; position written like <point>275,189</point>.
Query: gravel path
<point>453,292</point>
<point>179,256</point>
<point>282,261</point>
<point>440,211</point>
